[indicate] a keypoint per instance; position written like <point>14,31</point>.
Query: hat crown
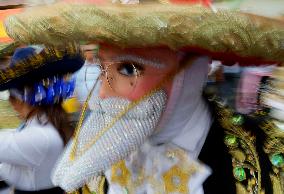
<point>21,54</point>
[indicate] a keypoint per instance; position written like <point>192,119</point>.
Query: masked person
<point>37,81</point>
<point>150,126</point>
<point>88,74</point>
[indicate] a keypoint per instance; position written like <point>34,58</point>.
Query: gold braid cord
<point>242,148</point>
<point>272,127</point>
<point>245,159</point>
<point>274,147</point>
<point>242,35</point>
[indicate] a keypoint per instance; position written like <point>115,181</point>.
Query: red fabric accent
<point>5,40</point>
<point>7,12</point>
<point>230,58</point>
<point>227,58</point>
<point>3,14</point>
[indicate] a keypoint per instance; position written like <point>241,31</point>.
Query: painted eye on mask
<point>130,69</point>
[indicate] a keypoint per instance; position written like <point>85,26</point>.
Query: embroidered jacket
<point>244,153</point>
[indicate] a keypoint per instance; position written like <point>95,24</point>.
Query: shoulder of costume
<point>255,144</point>
<point>166,168</point>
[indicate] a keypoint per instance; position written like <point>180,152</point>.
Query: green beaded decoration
<point>277,160</point>
<point>231,140</point>
<point>237,120</point>
<point>239,173</point>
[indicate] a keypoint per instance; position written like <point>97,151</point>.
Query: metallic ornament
<point>176,180</point>
<point>120,174</point>
<point>237,120</point>
<point>277,160</point>
<point>238,154</point>
<point>239,173</point>
<point>170,155</point>
<point>231,140</point>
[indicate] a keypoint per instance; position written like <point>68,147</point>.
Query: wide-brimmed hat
<point>228,36</point>
<point>34,63</point>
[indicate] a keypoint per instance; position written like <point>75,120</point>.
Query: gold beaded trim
<point>244,154</point>
<point>50,54</point>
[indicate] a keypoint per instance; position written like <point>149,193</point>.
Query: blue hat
<point>34,63</point>
<point>38,75</point>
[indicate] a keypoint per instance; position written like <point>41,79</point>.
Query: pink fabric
<point>247,93</point>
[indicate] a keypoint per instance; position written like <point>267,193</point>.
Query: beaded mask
<point>98,149</point>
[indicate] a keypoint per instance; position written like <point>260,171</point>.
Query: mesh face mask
<point>125,136</point>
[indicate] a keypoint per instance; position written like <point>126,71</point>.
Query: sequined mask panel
<point>124,137</point>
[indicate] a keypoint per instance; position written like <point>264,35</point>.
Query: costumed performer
<point>150,125</point>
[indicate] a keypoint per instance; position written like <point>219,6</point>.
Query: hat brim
<point>27,72</point>
<point>7,49</point>
<point>242,36</point>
